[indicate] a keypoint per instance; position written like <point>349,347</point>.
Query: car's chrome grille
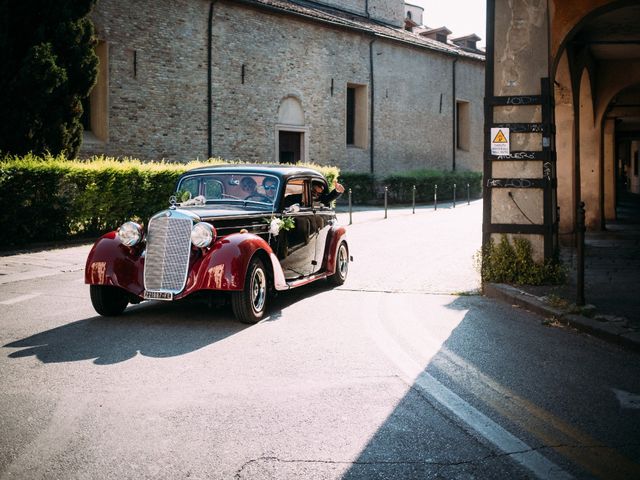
<point>167,257</point>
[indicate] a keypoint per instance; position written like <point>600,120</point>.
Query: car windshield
<point>258,188</point>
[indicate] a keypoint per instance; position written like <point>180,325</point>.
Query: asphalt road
<point>396,374</point>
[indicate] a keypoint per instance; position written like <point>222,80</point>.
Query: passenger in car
<point>248,185</point>
<point>320,194</point>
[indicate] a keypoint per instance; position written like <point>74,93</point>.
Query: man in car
<point>270,186</point>
<point>319,193</point>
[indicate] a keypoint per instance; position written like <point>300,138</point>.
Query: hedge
<point>52,198</point>
<point>366,188</point>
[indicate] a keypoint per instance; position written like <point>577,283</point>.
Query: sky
<point>462,17</point>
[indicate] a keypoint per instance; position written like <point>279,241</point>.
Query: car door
<point>324,219</point>
<point>298,254</point>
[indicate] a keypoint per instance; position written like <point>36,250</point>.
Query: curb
<point>603,329</point>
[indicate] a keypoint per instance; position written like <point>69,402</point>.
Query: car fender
<point>337,235</point>
<point>111,263</point>
<point>224,265</point>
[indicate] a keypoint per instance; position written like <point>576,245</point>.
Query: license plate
<point>158,295</point>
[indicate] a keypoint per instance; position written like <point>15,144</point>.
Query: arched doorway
<point>292,136</point>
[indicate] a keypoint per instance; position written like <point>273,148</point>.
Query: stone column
<point>609,139</point>
<point>517,62</point>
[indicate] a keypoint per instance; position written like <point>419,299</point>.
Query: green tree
<point>48,66</point>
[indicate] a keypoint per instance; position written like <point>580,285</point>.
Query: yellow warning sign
<point>500,138</point>
<point>500,141</point>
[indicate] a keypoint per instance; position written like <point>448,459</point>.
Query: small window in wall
<point>462,126</point>
<point>95,107</point>
<point>441,38</point>
<point>356,116</point>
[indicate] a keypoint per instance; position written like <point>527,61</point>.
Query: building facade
<point>331,82</point>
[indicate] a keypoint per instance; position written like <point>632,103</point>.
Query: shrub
<point>368,189</point>
<point>362,187</point>
<point>400,185</point>
<point>514,264</point>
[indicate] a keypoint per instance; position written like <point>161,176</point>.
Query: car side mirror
<point>295,208</point>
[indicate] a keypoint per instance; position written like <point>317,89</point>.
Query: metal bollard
<point>468,197</point>
<point>414,199</point>
<point>350,209</point>
<point>435,197</point>
<point>386,192</point>
<point>454,195</point>
<point>580,229</point>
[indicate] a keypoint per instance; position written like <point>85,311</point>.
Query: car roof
<point>281,171</point>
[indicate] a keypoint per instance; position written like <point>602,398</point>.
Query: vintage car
<point>242,232</point>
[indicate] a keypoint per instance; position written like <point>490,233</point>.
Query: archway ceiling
<point>615,36</point>
<point>626,108</point>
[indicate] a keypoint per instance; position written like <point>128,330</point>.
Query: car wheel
<point>342,265</point>
<point>107,300</point>
<point>250,304</point>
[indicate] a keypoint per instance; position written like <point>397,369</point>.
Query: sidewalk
<point>611,284</point>
<point>44,263</point>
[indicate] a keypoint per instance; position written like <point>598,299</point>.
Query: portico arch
<point>565,148</point>
<point>589,157</point>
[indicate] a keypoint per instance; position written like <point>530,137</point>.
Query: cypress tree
<point>48,66</point>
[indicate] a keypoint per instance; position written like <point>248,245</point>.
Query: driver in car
<point>270,186</point>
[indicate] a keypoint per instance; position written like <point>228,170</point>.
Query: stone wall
<point>387,11</point>
<point>283,57</point>
<point>470,88</point>
<point>355,6</point>
<point>259,61</point>
<point>157,107</point>
<point>414,113</point>
<point>412,130</point>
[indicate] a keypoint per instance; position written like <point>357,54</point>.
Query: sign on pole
<point>500,141</point>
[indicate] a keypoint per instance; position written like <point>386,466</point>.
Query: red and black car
<point>244,231</point>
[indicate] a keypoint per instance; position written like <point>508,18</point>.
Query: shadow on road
<point>287,298</point>
<point>150,329</point>
<point>495,369</point>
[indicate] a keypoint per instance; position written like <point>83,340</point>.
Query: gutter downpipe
<point>372,111</point>
<point>454,117</point>
<point>210,82</point>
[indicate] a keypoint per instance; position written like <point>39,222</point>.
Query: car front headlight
<point>130,233</point>
<point>203,234</point>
